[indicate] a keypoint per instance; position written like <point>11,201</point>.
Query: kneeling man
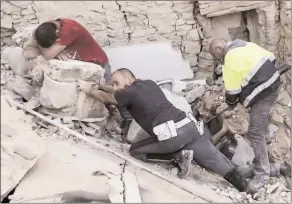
<point>148,105</point>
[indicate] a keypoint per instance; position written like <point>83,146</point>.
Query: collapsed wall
<point>188,24</point>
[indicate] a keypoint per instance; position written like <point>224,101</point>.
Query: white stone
<point>142,31</point>
<point>21,87</point>
<point>27,11</point>
<point>193,35</point>
<point>6,22</point>
<point>57,95</point>
<point>19,65</point>
<point>192,47</point>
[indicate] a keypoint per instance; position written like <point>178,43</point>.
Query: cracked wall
<point>114,23</point>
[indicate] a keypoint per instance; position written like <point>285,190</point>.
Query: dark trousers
<point>205,154</point>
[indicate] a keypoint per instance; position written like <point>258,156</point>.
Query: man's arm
<point>103,97</point>
<point>53,51</point>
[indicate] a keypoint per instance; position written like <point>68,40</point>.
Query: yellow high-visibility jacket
<point>249,72</point>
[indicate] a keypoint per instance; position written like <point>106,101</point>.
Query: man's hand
<point>85,86</point>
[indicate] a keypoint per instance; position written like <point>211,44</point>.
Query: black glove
<point>197,114</point>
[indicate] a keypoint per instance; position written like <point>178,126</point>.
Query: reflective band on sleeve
<point>260,88</point>
<point>233,92</point>
<point>255,68</point>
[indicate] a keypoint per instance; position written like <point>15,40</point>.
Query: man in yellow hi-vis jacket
<point>251,78</point>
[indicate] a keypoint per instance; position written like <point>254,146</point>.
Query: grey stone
<point>284,98</point>
<point>276,118</point>
<point>18,63</point>
<point>6,21</point>
<point>243,153</point>
<point>21,87</point>
<point>195,93</point>
<point>193,35</point>
<point>56,95</point>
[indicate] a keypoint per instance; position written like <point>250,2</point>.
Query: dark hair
<point>45,34</point>
<point>126,71</point>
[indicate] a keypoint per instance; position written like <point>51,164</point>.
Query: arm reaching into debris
<point>99,95</point>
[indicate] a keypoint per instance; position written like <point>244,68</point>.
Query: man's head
<point>46,34</point>
<point>217,48</point>
<point>122,78</point>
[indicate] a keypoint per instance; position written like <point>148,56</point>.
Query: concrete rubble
<point>163,41</point>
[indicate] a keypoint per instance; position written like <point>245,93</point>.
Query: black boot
<point>236,179</point>
<point>184,160</point>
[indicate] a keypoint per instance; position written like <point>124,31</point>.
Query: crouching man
<point>148,105</point>
<point>66,39</point>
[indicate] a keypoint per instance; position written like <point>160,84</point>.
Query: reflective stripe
<point>260,88</point>
<point>255,68</point>
<point>234,91</point>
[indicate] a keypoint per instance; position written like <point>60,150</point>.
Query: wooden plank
<point>132,193</point>
<point>237,9</point>
<point>216,8</point>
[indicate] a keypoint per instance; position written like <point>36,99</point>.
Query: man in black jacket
<point>173,134</point>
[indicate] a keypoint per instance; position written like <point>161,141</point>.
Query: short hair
<point>45,34</point>
<point>125,71</point>
<point>217,42</point>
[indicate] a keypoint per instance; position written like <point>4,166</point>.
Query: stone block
<point>183,8</point>
<point>6,22</point>
<point>192,47</point>
<point>142,31</point>
<point>73,70</point>
<point>193,35</point>
<point>284,99</point>
<point>195,93</point>
<point>17,62</point>
<point>57,95</point>
<point>23,35</point>
<point>276,118</point>
<point>21,87</point>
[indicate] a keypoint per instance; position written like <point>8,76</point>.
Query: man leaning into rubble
<point>155,114</point>
<point>250,78</point>
<point>66,39</point>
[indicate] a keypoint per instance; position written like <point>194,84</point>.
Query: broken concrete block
<point>21,87</point>
<point>57,95</point>
<point>19,65</point>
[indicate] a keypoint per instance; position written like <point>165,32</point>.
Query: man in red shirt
<point>67,39</point>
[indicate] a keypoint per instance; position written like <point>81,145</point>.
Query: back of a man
<point>151,112</point>
<point>80,45</point>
